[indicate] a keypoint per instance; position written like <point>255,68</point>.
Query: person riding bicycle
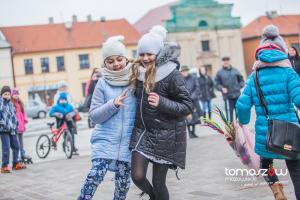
<point>64,112</point>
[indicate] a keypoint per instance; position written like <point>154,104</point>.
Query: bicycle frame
<point>57,133</point>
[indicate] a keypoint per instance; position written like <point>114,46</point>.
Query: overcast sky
<point>26,12</point>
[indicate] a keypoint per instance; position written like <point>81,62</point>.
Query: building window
<point>60,62</point>
<point>83,85</point>
<point>205,45</point>
<point>28,66</point>
<point>203,24</point>
<point>45,65</point>
<point>84,61</point>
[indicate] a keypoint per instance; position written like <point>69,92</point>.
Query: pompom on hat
<point>271,36</point>
<point>153,41</point>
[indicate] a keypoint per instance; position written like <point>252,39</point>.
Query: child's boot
<point>5,169</point>
<point>19,166</point>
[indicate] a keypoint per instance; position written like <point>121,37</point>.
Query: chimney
<point>89,18</point>
<point>50,20</point>
<point>68,26</point>
<point>74,18</point>
<point>271,14</point>
<point>102,19</point>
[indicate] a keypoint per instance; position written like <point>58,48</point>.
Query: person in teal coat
<point>280,85</point>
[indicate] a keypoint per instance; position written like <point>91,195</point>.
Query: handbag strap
<point>260,94</point>
<point>262,98</point>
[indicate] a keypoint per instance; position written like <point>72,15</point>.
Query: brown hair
<point>18,101</point>
<point>94,70</point>
<point>149,83</point>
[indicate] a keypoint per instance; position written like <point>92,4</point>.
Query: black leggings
<point>293,168</point>
<point>139,166</point>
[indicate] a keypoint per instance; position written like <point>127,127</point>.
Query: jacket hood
<point>170,52</point>
<point>62,95</point>
<point>270,56</point>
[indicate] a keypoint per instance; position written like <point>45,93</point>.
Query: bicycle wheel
<point>68,146</point>
<point>43,146</point>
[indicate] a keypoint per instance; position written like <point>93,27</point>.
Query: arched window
<point>203,24</point>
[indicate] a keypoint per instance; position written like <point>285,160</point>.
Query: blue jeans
<point>206,106</point>
<point>9,141</point>
<point>22,151</point>
<point>97,174</point>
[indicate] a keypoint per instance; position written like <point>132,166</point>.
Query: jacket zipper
<point>121,130</point>
<point>141,112</point>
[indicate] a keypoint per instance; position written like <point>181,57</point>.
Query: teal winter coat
<point>281,88</point>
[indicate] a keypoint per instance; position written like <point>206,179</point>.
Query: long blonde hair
<point>149,83</point>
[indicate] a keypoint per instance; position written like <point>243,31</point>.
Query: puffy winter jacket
<point>8,119</point>
<point>111,135</point>
<point>161,131</point>
<point>281,88</point>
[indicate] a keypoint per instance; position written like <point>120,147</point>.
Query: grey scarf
<point>161,72</point>
<point>118,78</point>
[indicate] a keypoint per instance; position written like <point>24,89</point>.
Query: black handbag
<point>283,137</point>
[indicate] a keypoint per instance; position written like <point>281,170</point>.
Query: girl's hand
<point>153,99</point>
<point>119,101</point>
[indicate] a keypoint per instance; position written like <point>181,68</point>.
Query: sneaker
<point>19,166</point>
<point>5,169</point>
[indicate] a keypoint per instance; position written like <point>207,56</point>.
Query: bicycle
<point>44,143</point>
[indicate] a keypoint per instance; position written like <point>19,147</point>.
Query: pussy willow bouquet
<point>240,139</point>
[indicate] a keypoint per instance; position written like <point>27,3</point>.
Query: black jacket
<point>295,61</point>
<point>232,80</point>
<point>161,131</point>
<point>206,85</point>
<point>192,85</point>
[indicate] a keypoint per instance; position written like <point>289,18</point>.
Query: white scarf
<point>161,72</point>
<point>118,78</point>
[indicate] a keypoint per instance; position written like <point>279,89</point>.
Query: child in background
<point>8,128</point>
<point>64,112</point>
<point>22,121</point>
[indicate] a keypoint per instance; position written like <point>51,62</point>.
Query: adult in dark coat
<point>207,93</point>
<point>192,85</point>
<point>294,59</point>
<point>229,81</point>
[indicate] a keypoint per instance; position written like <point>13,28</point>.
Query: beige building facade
<point>46,83</point>
<point>44,55</point>
<point>6,70</point>
<point>206,48</point>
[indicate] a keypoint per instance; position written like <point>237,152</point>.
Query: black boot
<point>192,132</point>
<point>209,115</point>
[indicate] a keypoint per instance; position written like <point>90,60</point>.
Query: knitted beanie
<point>271,35</point>
<point>113,46</point>
<point>14,91</point>
<point>5,89</point>
<point>153,41</point>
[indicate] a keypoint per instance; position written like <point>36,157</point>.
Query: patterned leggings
<point>97,174</point>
